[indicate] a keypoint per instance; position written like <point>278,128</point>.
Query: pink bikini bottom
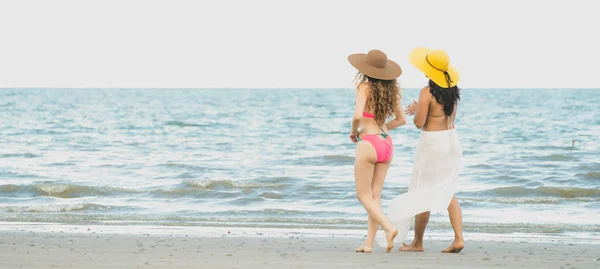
<point>383,148</point>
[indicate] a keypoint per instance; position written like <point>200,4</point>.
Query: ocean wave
<point>270,189</point>
<point>8,103</point>
<point>245,200</point>
<point>59,164</point>
<point>549,228</point>
<point>557,158</point>
<point>483,166</point>
<point>179,191</point>
<point>221,189</point>
<point>9,174</point>
<point>563,192</point>
<point>56,208</point>
<point>589,166</point>
<point>19,155</point>
<point>184,124</point>
<point>186,167</point>
<point>590,175</point>
<point>110,166</point>
<point>501,178</point>
<point>476,202</point>
<point>338,157</point>
<point>271,195</point>
<point>231,184</point>
<point>60,190</point>
<point>185,175</point>
<point>550,147</point>
<point>324,160</point>
<point>278,180</point>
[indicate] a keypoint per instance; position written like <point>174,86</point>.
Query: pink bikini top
<point>367,115</point>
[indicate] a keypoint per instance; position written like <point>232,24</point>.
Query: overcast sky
<point>248,44</point>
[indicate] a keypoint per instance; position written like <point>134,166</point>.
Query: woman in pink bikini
<point>377,99</point>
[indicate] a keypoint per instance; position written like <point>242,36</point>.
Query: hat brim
<point>391,71</point>
<point>417,58</point>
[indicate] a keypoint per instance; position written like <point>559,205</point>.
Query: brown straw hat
<point>375,64</point>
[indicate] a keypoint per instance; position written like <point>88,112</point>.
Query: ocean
<point>281,159</point>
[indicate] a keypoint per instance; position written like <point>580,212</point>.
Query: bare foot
<point>411,247</point>
<point>365,248</point>
<point>456,247</point>
<point>390,236</point>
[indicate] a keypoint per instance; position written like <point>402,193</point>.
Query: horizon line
<point>295,88</point>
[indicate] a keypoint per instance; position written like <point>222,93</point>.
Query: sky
<point>293,44</point>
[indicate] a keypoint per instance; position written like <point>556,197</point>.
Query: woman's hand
<point>412,108</point>
<point>354,136</point>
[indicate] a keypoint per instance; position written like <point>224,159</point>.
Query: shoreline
<point>64,249</point>
<point>220,232</point>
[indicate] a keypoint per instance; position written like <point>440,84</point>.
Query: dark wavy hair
<point>448,97</point>
<point>383,97</point>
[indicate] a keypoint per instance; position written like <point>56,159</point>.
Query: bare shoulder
<point>363,87</point>
<point>425,92</point>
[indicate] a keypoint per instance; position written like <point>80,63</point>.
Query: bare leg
<point>364,169</point>
<point>420,224</point>
<point>367,246</point>
<point>456,220</point>
<point>376,187</point>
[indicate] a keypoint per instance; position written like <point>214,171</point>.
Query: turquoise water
<point>281,158</point>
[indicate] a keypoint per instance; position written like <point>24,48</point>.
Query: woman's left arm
<point>400,118</point>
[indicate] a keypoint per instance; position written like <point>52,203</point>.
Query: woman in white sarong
<point>438,155</point>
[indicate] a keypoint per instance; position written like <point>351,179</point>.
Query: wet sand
<point>19,249</point>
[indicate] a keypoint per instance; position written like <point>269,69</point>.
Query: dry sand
<point>20,249</point>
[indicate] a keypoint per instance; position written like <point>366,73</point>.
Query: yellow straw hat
<point>436,65</point>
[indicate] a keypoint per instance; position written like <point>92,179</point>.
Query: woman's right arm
<point>422,108</point>
<point>400,118</point>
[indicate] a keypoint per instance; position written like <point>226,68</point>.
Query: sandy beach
<point>22,249</point>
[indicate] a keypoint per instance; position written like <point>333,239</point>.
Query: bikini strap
<point>383,133</point>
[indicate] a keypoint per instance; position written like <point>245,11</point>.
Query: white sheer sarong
<point>434,181</point>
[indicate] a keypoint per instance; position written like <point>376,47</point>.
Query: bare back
<point>434,117</point>
<point>368,124</point>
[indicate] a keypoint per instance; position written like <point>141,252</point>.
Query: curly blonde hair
<point>383,96</point>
